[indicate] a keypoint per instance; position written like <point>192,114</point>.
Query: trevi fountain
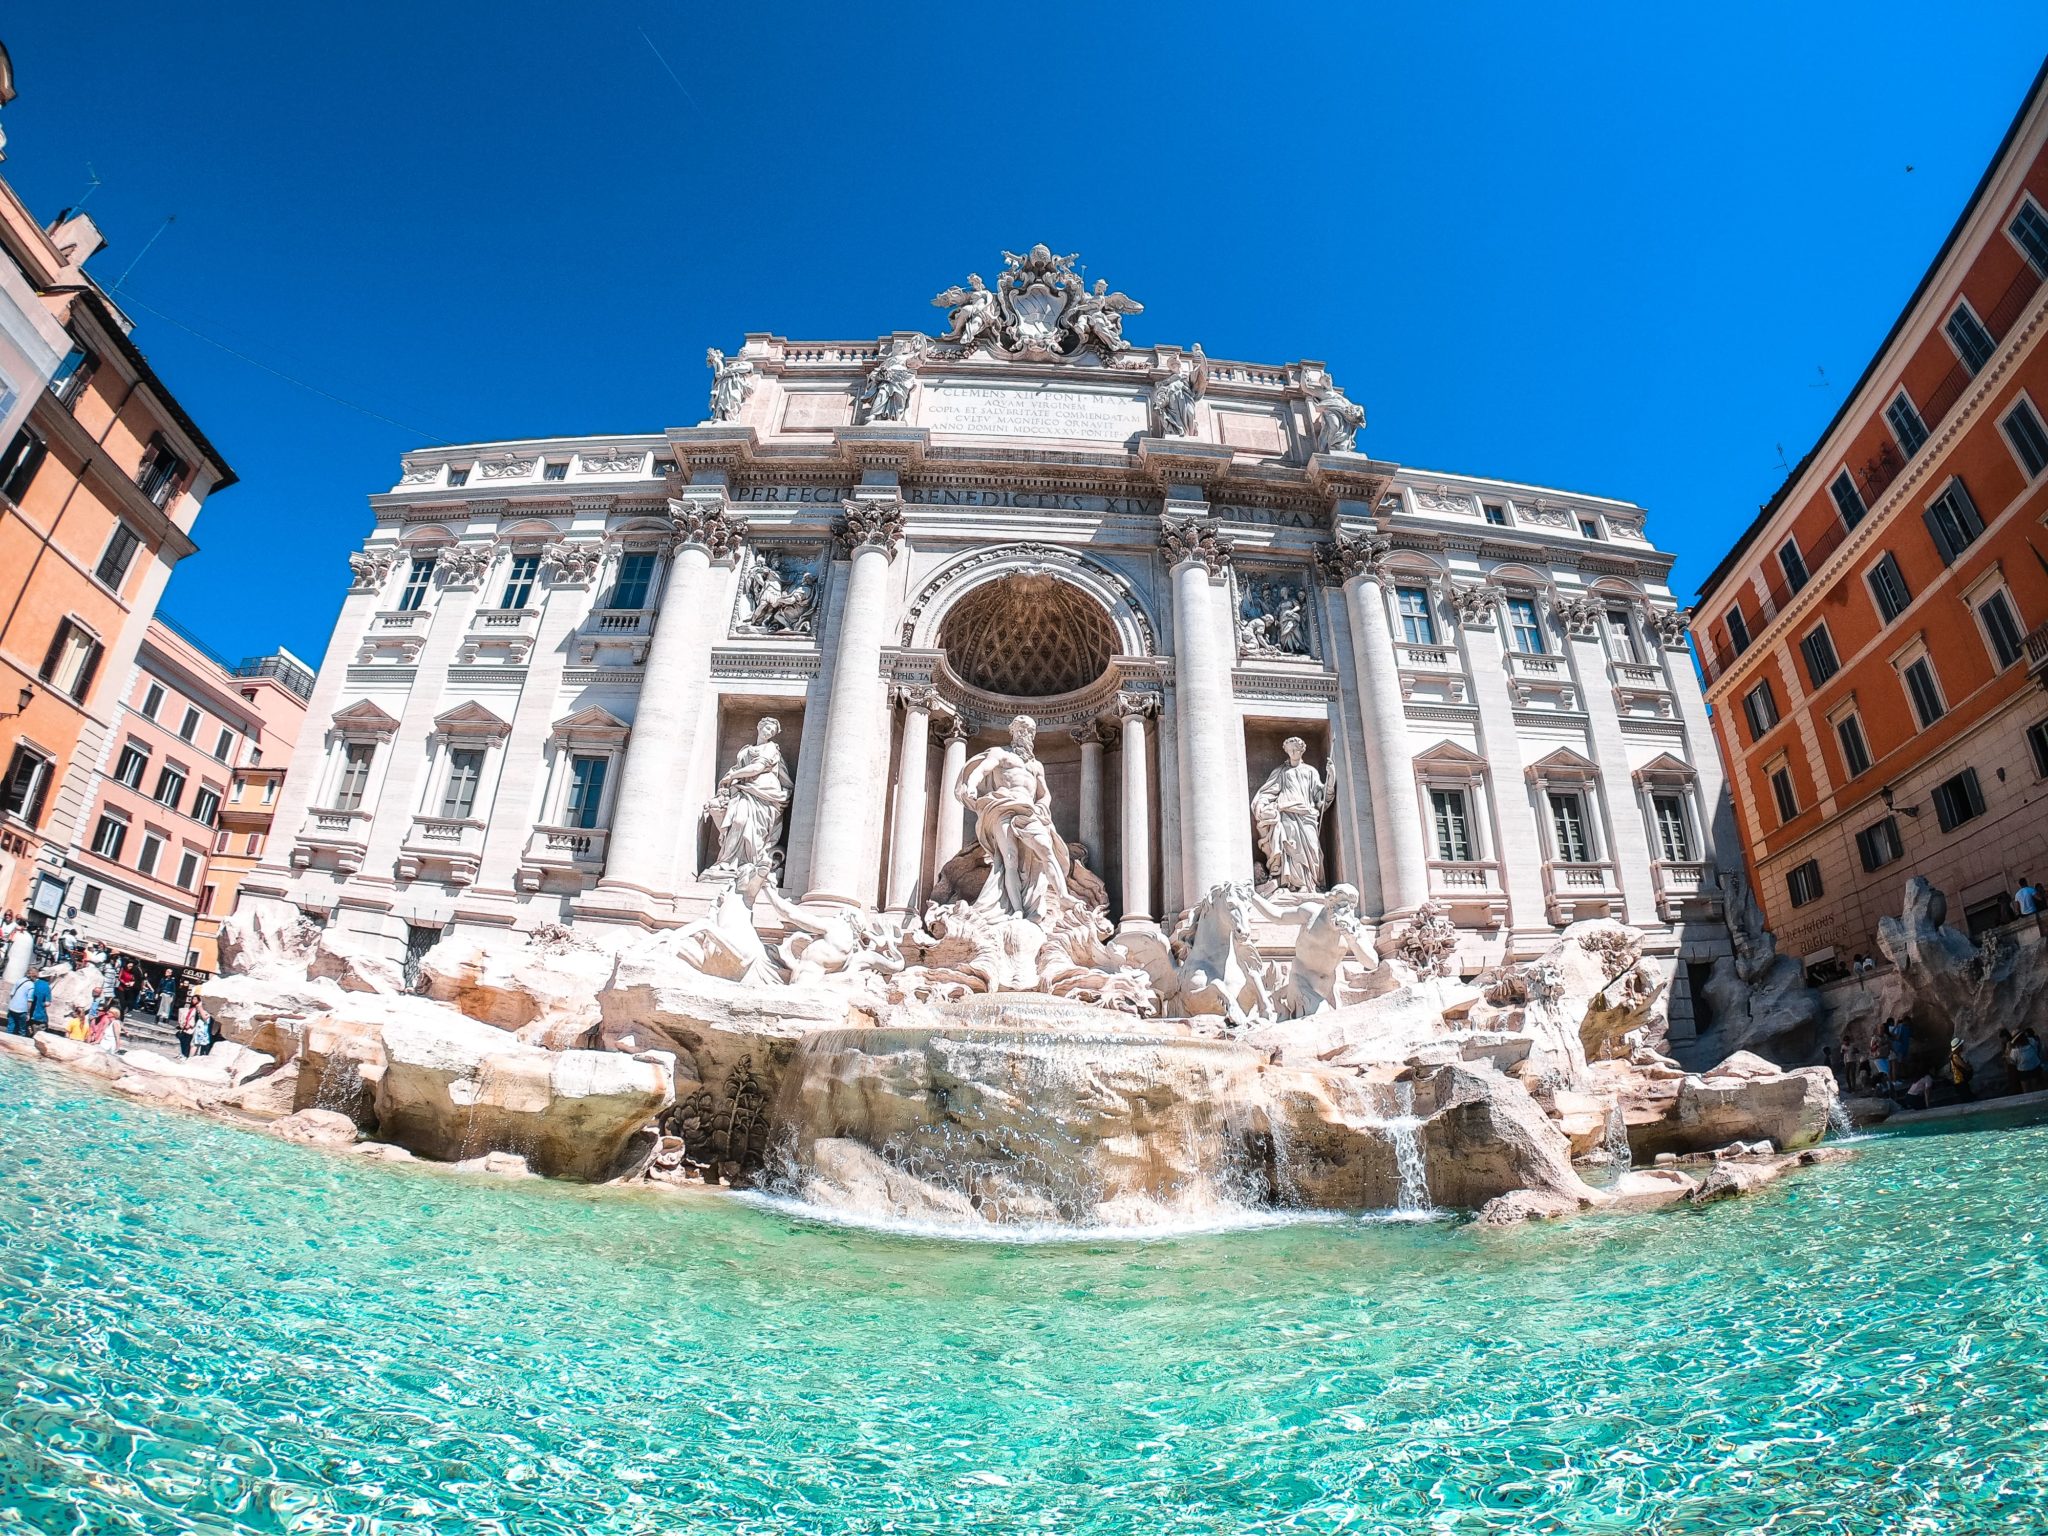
<point>1009,933</point>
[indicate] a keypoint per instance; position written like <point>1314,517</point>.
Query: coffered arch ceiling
<point>1028,635</point>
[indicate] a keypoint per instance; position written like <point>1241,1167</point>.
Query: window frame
<point>1424,617</point>
<point>2037,444</point>
<point>54,659</point>
<point>119,824</point>
<point>1784,793</point>
<point>1868,840</point>
<point>1444,833</point>
<point>1965,785</point>
<point>41,766</point>
<point>1803,883</point>
<point>1843,489</point>
<point>1817,676</point>
<point>1887,562</point>
<point>1974,327</point>
<point>1555,801</point>
<point>522,575</point>
<point>419,581</point>
<point>170,774</point>
<point>1760,710</point>
<point>2037,743</point>
<point>1930,709</point>
<point>121,554</point>
<point>1952,519</point>
<point>2038,260</point>
<point>1997,594</point>
<point>1910,442</point>
<point>1795,569</point>
<point>1534,629</point>
<point>1846,722</point>
<point>593,809</point>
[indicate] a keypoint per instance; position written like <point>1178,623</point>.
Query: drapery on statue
<point>1028,862</point>
<point>1288,812</point>
<point>752,800</point>
<point>732,380</point>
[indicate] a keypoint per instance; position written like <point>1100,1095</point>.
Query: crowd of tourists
<point>1889,1064</point>
<point>110,989</point>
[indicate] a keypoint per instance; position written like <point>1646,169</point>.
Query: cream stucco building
<point>554,648</point>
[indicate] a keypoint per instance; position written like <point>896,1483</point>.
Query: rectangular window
<point>28,780</point>
<point>1848,500</point>
<point>18,468</point>
<point>1888,587</point>
<point>1878,844</point>
<point>2028,438</point>
<point>1793,564</point>
<point>1781,791</point>
<point>1803,884</point>
<point>2037,743</point>
<point>1760,707</point>
<point>1818,651</point>
<point>1621,636</point>
<point>132,918</point>
<point>224,744</point>
<point>555,469</point>
<point>1855,750</point>
<point>220,842</point>
<point>254,845</point>
<point>586,790</point>
<point>636,576</point>
<point>146,857</point>
<point>519,581</point>
<point>1568,821</point>
<point>130,768</point>
<point>120,551</point>
<point>1453,830</point>
<point>73,374</point>
<point>207,898</point>
<point>188,870</point>
<point>189,726</point>
<point>1906,424</point>
<point>1674,837</point>
<point>170,786</point>
<point>269,790</point>
<point>162,473</point>
<point>1958,800</point>
<point>206,806</point>
<point>1589,527</point>
<point>2029,230</point>
<point>107,836</point>
<point>418,578</point>
<point>89,903</point>
<point>1972,342</point>
<point>1418,625</point>
<point>664,466</point>
<point>153,700</point>
<point>1921,689</point>
<point>458,476</point>
<point>1738,630</point>
<point>2001,629</point>
<point>71,661</point>
<point>355,775</point>
<point>1525,626</point>
<point>1953,521</point>
<point>1496,514</point>
<point>465,769</point>
<point>170,927</point>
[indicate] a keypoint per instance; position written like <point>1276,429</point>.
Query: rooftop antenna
<point>91,187</point>
<point>1783,467</point>
<point>1823,384</point>
<point>120,281</point>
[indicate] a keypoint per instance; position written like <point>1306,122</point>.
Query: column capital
<point>871,522</point>
<point>1474,603</point>
<point>369,569</point>
<point>573,562</point>
<point>1346,557</point>
<point>701,516</point>
<point>1090,732</point>
<point>1671,626</point>
<point>1195,538</point>
<point>1137,704</point>
<point>917,696</point>
<point>955,729</point>
<point>1577,614</point>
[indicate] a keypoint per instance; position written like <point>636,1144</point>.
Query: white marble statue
<point>1288,813</point>
<point>1173,397</point>
<point>971,311</point>
<point>885,395</point>
<point>752,799</point>
<point>1331,940</point>
<point>1005,789</point>
<point>1219,970</point>
<point>1337,420</point>
<point>1097,315</point>
<point>774,604</point>
<point>732,380</point>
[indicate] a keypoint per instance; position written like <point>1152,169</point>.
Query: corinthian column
<point>1211,742</point>
<point>1135,709</point>
<point>1404,868</point>
<point>906,834</point>
<point>646,828</point>
<point>951,831</point>
<point>1089,736</point>
<point>841,870</point>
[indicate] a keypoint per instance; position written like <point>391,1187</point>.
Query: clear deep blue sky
<point>1628,250</point>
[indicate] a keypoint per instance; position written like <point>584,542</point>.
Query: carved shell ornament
<point>1041,308</point>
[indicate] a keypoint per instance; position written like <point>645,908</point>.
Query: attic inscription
<point>984,411</point>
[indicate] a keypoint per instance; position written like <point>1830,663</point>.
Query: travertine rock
<point>1966,990</point>
<point>268,938</point>
<point>316,1128</point>
<point>267,1013</point>
<point>847,1176</point>
<point>1745,1098</point>
<point>512,982</point>
<point>1759,999</point>
<point>77,1054</point>
<point>353,965</point>
<point>1483,1135</point>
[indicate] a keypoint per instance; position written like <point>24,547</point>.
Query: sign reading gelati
<point>1033,411</point>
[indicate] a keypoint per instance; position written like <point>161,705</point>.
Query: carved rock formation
<point>1968,991</point>
<point>1759,998</point>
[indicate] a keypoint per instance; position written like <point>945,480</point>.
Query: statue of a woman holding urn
<point>1288,814</point>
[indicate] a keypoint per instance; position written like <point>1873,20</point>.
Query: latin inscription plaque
<point>1033,411</point>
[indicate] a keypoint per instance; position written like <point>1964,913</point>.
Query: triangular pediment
<point>1665,769</point>
<point>593,718</point>
<point>366,717</point>
<point>1564,763</point>
<point>470,719</point>
<point>1448,754</point>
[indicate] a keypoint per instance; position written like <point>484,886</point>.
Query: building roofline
<point>1410,474</point>
<point>1851,401</point>
<point>225,475</point>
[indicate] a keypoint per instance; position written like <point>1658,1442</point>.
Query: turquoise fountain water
<point>208,1330</point>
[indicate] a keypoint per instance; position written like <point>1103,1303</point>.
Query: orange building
<point>275,690</point>
<point>1873,643</point>
<point>99,487</point>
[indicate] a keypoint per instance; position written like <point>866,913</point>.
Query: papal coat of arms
<point>1040,308</point>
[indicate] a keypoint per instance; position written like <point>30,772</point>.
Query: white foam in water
<point>1208,1224</point>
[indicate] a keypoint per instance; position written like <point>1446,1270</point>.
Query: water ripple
<point>210,1331</point>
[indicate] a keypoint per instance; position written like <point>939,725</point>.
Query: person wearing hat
<point>1959,1069</point>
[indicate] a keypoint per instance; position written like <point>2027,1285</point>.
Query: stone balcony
<point>562,850</point>
<point>342,836</point>
<point>1580,890</point>
<point>1431,674</point>
<point>1685,889</point>
<point>1546,678</point>
<point>452,844</point>
<point>1472,891</point>
<point>394,636</point>
<point>500,634</point>
<point>1641,689</point>
<point>630,628</point>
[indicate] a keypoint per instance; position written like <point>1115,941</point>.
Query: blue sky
<point>1629,250</point>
